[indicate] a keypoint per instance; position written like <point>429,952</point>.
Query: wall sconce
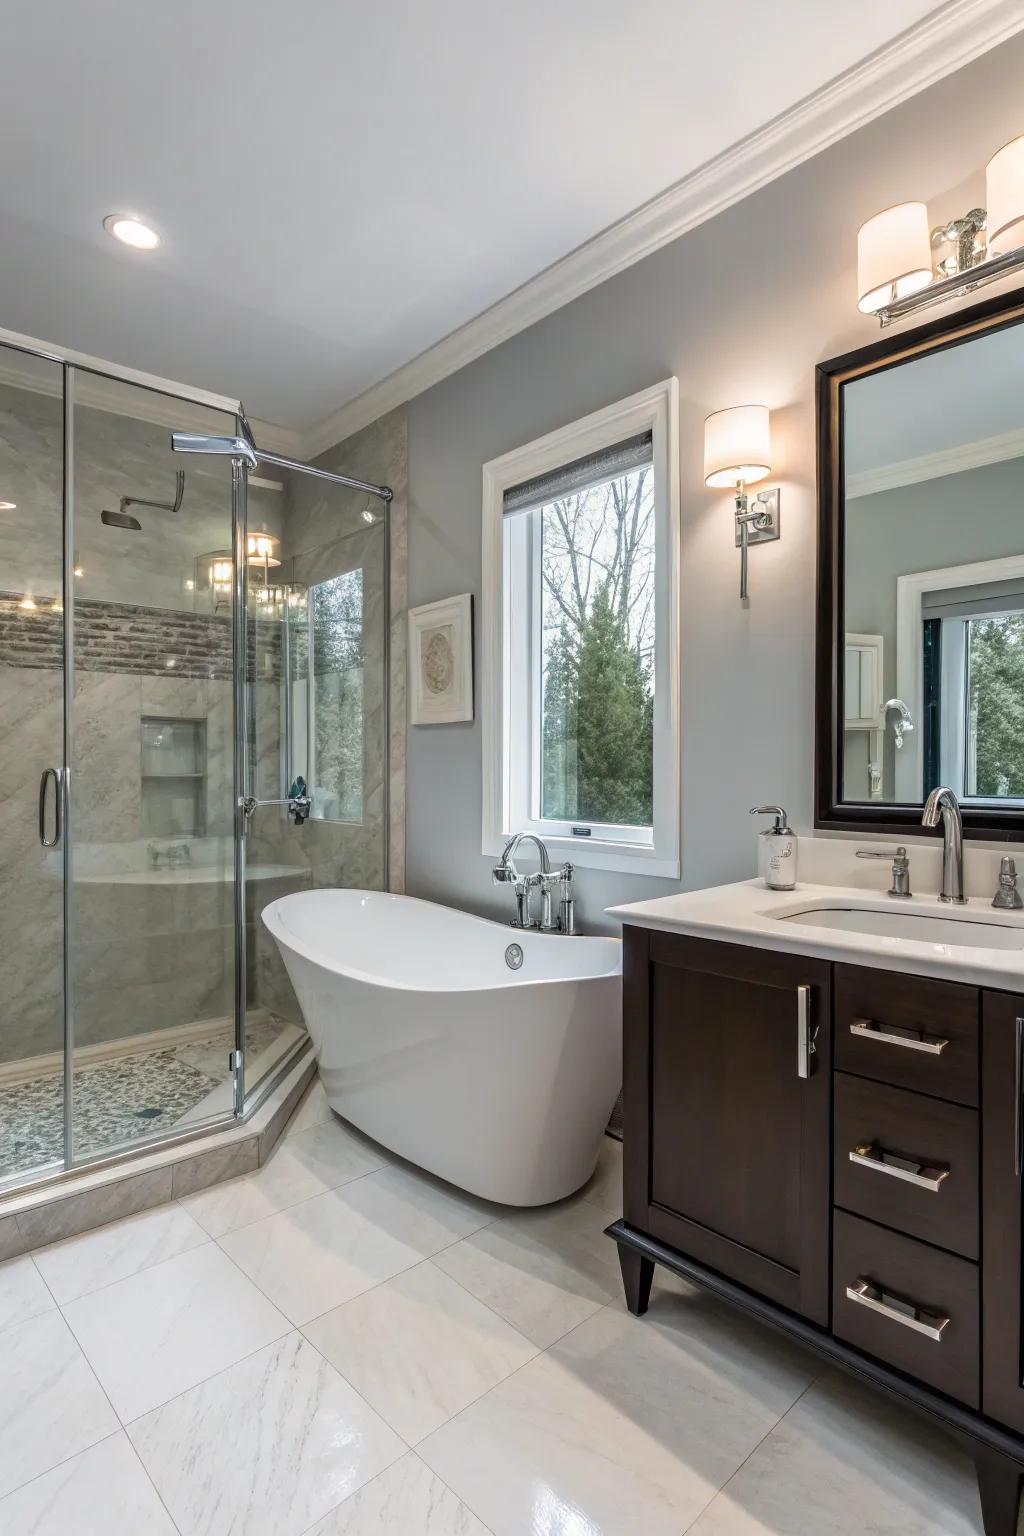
<point>903,265</point>
<point>737,452</point>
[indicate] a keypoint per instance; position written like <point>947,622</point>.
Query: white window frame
<point>508,702</point>
<point>910,594</point>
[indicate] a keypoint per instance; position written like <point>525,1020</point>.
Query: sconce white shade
<point>737,445</point>
<point>1004,177</point>
<point>894,256</point>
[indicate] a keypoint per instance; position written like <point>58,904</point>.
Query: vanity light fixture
<point>8,506</point>
<point>903,265</point>
<point>737,452</point>
<point>131,231</point>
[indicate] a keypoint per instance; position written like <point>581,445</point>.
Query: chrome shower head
<point>120,520</point>
<point>230,447</point>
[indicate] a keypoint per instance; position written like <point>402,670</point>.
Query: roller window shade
<point>978,601</point>
<point>581,475</point>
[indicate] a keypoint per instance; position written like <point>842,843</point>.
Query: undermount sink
<point>922,927</point>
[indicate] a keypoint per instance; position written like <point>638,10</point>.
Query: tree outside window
<point>597,576</point>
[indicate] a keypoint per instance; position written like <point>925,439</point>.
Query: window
<point>580,665</point>
<point>974,716</point>
<point>327,703</point>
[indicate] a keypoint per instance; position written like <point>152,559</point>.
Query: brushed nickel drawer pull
<point>924,1175</point>
<point>869,1029</point>
<point>865,1294</point>
<point>805,1046</point>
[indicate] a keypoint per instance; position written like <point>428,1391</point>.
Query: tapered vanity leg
<point>999,1484</point>
<point>637,1274</point>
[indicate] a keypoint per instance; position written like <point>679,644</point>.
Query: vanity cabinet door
<point>727,1111</point>
<point>1002,1145</point>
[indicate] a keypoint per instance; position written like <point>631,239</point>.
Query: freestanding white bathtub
<point>499,1080</point>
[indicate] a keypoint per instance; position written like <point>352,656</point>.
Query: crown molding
<point>938,45</point>
<point>932,466</point>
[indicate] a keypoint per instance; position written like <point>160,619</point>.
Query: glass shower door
<point>151,820</point>
<point>31,756</point>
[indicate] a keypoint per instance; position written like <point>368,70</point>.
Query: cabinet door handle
<point>804,1037</point>
<point>924,1175</point>
<point>1018,1089</point>
<point>907,1313</point>
<point>869,1029</point>
<point>47,774</point>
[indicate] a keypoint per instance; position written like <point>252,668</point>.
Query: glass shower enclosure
<point>147,688</point>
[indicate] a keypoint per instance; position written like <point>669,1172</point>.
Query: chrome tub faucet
<point>546,879</point>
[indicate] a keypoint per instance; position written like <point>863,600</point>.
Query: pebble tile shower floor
<point>116,1101</point>
<point>339,1345</point>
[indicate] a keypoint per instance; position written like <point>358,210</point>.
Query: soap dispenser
<point>776,850</point>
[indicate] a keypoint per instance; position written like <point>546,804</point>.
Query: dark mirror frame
<point>829,810</point>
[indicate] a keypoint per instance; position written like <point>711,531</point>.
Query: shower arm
<point>161,506</point>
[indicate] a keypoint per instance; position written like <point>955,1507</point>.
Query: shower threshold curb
<point>91,1197</point>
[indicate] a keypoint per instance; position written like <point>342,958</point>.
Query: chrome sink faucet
<point>943,802</point>
<point>546,879</point>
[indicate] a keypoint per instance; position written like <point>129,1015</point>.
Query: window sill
<point>592,853</point>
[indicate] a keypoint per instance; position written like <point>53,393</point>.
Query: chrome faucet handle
<point>900,867</point>
<point>1007,897</point>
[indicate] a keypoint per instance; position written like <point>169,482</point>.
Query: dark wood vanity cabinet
<point>1002,1146</point>
<point>837,1149</point>
<point>746,1192</point>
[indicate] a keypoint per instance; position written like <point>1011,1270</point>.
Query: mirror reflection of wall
<point>933,453</point>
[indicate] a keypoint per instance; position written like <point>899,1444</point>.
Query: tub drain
<point>514,956</point>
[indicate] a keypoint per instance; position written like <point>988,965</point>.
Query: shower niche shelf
<point>173,776</point>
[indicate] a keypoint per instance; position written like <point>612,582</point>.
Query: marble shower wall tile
<point>227,1161</point>
<point>49,1223</point>
<point>31,924</point>
<point>11,1241</point>
<point>105,774</point>
<point>115,455</point>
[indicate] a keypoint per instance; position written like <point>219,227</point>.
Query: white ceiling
<point>339,184</point>
<point>972,393</point>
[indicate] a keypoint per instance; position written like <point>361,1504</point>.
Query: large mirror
<point>921,580</point>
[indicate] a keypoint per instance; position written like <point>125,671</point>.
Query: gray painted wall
<point>739,309</point>
<point>952,520</point>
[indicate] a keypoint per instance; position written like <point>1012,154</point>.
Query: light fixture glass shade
<point>1004,178</point>
<point>737,445</point>
<point>894,256</point>
<point>222,573</point>
<point>261,548</point>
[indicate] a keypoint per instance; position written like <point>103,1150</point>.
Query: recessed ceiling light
<point>7,506</point>
<point>131,231</point>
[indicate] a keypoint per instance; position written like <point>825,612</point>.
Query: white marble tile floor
<point>338,1345</point>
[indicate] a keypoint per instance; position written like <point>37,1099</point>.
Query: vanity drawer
<point>908,1304</point>
<point>910,1031</point>
<point>908,1161</point>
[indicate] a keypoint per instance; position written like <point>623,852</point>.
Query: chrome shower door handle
<point>58,818</point>
<point>804,1037</point>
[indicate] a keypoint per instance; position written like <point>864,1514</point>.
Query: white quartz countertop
<point>749,913</point>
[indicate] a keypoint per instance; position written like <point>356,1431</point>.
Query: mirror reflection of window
<point>933,675</point>
<point>334,697</point>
